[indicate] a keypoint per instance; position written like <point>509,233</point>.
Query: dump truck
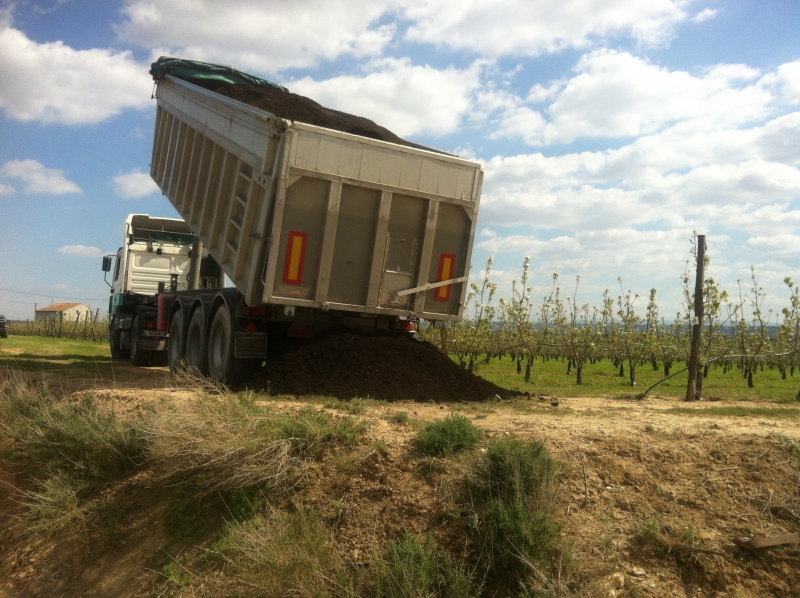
<point>314,227</point>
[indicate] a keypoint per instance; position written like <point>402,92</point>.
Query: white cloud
<point>81,251</point>
<point>134,185</point>
<point>617,95</point>
<point>522,27</point>
<point>405,98</point>
<point>265,37</point>
<point>54,83</point>
<point>7,189</point>
<point>704,15</point>
<point>38,178</point>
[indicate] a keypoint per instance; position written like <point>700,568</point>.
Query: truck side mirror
<point>107,263</point>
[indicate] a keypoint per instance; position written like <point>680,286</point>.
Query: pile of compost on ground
<point>292,106</point>
<point>348,364</point>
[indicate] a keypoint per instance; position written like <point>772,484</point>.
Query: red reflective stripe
<point>295,258</point>
<point>447,267</point>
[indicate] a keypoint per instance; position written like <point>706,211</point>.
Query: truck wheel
<point>223,365</point>
<point>139,357</point>
<point>176,354</point>
<point>195,348</point>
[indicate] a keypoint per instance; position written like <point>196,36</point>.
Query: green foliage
<point>56,505</point>
<point>451,435</point>
<point>513,495</point>
<point>277,554</point>
<point>399,417</point>
<point>650,534</point>
<point>414,568</point>
<point>353,406</point>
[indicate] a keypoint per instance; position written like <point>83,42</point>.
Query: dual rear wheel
<point>209,353</point>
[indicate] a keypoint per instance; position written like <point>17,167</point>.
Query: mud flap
<point>250,345</point>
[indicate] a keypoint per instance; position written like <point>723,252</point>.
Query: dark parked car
<point>3,327</point>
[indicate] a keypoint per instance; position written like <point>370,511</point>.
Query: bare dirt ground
<point>658,496</point>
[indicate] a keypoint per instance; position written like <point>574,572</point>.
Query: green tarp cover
<point>205,74</point>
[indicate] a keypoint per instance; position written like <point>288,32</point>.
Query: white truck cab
<point>155,257</point>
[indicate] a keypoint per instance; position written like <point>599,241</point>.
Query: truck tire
<point>223,365</point>
<point>139,357</point>
<point>176,351</point>
<point>195,347</point>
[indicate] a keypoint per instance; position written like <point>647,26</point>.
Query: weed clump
<point>411,567</point>
<point>275,554</point>
<point>221,444</point>
<point>512,493</point>
<point>40,432</point>
<point>451,435</point>
<point>399,417</point>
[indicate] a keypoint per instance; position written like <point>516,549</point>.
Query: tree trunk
<point>705,371</point>
<point>471,363</point>
<point>621,369</point>
<point>569,367</point>
<point>750,380</point>
<point>632,372</point>
<point>528,370</point>
<point>654,363</point>
<point>443,338</point>
<point>783,373</point>
<point>579,374</point>
<point>667,368</point>
<point>519,365</point>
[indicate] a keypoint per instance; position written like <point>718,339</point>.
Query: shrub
<point>414,568</point>
<point>399,417</point>
<point>453,434</point>
<point>512,492</point>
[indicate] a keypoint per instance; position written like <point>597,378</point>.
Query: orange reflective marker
<point>295,258</point>
<point>447,265</point>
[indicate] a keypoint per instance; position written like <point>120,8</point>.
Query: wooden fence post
<point>694,359</point>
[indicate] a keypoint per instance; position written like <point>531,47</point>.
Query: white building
<point>69,311</point>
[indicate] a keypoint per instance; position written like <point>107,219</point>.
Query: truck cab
<point>155,257</point>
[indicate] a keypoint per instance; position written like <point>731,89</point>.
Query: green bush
<point>513,494</point>
<point>410,568</point>
<point>399,417</point>
<point>453,434</point>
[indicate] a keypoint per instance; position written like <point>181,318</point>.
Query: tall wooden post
<point>694,359</point>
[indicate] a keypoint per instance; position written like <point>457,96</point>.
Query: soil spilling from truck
<point>292,106</point>
<point>347,364</point>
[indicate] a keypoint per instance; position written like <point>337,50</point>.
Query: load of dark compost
<point>346,364</point>
<point>292,106</point>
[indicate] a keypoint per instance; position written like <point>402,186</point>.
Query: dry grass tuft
<point>226,442</point>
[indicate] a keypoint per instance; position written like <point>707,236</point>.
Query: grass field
<point>602,379</point>
<point>549,377</point>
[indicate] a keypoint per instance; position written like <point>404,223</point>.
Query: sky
<point>608,130</point>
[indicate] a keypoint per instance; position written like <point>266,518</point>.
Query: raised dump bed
<point>306,216</point>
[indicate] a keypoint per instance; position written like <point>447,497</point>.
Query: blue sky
<point>609,130</point>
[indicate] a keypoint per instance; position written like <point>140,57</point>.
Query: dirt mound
<point>347,364</point>
<point>292,106</point>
